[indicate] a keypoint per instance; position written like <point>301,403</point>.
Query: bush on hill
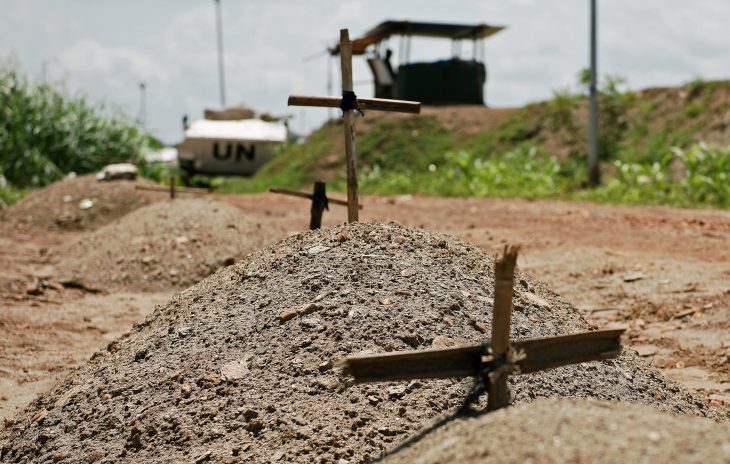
<point>46,133</point>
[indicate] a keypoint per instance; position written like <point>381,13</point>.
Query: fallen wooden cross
<point>350,104</point>
<point>173,189</point>
<point>495,360</point>
<point>320,202</point>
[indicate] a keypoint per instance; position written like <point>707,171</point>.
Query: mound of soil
<point>241,367</point>
<point>57,207</point>
<point>560,430</point>
<point>164,245</point>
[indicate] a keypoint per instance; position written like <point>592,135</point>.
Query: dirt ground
<point>559,430</point>
<point>662,272</point>
<point>243,367</point>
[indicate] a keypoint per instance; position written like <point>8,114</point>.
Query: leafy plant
<point>46,133</point>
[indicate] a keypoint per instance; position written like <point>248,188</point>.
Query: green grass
<point>46,133</point>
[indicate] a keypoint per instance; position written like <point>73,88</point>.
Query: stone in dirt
<point>169,403</point>
<point>562,430</point>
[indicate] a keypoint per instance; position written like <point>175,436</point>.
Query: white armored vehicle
<point>229,142</point>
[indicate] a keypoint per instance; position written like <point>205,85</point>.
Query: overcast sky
<point>104,47</point>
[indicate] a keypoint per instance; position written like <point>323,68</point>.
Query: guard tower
<point>449,81</point>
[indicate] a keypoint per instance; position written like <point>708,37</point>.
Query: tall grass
<point>46,133</point>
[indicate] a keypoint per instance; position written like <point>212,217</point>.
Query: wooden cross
<point>173,189</point>
<point>494,361</point>
<point>320,202</point>
<point>350,104</point>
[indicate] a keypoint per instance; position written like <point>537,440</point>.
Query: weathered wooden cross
<point>494,361</point>
<point>320,202</point>
<point>173,189</point>
<point>350,104</point>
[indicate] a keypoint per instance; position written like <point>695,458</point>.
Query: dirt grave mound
<point>240,367</point>
<point>569,430</point>
<point>63,205</point>
<point>165,245</point>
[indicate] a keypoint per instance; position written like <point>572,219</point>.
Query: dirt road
<point>662,272</point>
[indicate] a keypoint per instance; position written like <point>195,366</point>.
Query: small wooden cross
<point>320,202</point>
<point>350,104</point>
<point>173,189</point>
<point>494,361</point>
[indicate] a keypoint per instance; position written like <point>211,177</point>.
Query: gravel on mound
<point>56,207</point>
<point>561,430</point>
<point>164,245</point>
<point>239,368</point>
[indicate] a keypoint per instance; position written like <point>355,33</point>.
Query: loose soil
<point>240,367</point>
<point>661,272</point>
<point>560,430</point>
<point>57,207</point>
<point>169,244</point>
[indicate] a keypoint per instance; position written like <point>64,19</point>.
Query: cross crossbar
<point>468,361</point>
<point>363,104</point>
<point>160,188</point>
<point>308,196</point>
<point>495,360</point>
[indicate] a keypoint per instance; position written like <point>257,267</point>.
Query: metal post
<point>143,105</point>
<point>219,24</point>
<point>594,173</point>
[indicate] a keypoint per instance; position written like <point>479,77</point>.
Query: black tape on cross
<point>349,102</point>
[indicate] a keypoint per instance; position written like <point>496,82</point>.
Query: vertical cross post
<point>349,124</point>
<point>172,186</point>
<point>319,204</point>
<point>504,276</point>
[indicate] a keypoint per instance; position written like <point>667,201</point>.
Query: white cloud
<point>106,48</point>
<point>92,58</point>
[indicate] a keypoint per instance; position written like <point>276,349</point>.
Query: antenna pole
<point>594,173</point>
<point>221,76</point>
<point>143,104</point>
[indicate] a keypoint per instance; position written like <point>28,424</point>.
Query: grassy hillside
<point>46,133</point>
<point>656,146</point>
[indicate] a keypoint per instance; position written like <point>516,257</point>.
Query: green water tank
<point>442,82</point>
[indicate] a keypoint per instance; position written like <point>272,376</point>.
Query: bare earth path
<point>663,272</point>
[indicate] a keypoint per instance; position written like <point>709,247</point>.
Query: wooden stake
<point>504,276</point>
<point>172,187</point>
<point>349,123</point>
<point>319,204</point>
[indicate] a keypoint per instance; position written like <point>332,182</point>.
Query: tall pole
<point>219,24</point>
<point>594,173</point>
<point>143,105</point>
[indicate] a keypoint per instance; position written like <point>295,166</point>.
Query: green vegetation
<point>46,133</point>
<point>649,145</point>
